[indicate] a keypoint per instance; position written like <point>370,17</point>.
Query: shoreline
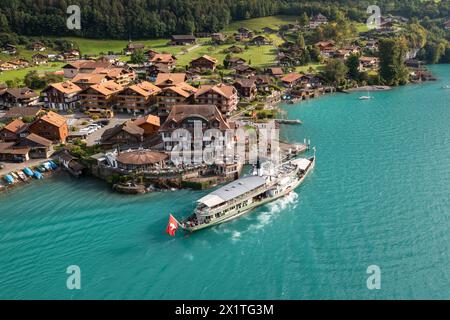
<point>373,88</point>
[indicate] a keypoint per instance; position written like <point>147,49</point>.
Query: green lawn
<point>258,23</point>
<point>258,56</point>
<point>21,73</point>
<point>314,66</point>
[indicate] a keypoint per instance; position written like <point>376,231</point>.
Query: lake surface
<point>379,195</point>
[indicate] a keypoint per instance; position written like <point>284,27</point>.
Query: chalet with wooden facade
<point>205,62</point>
<point>181,93</point>
<point>317,20</point>
<point>11,132</point>
<point>51,126</point>
<point>101,96</point>
<point>40,147</point>
<point>149,123</point>
<point>164,58</point>
<point>127,134</point>
<point>164,80</point>
<point>292,79</point>
<point>18,97</point>
<point>225,97</point>
<point>132,47</point>
<point>138,98</point>
<point>62,96</point>
<point>182,40</point>
<point>246,88</point>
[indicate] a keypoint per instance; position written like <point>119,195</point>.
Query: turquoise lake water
<point>379,195</point>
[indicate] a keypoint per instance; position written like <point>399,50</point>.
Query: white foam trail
<point>189,256</point>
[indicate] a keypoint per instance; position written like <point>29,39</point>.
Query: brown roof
<point>127,126</point>
<point>107,88</point>
<point>368,59</point>
<point>38,140</point>
<point>222,89</point>
<point>183,37</point>
<point>22,93</point>
<point>245,83</point>
<point>276,71</point>
<point>209,58</point>
<point>291,77</point>
<point>67,87</point>
<point>181,112</point>
<point>89,78</point>
<point>54,119</point>
<point>15,126</point>
<point>154,120</point>
<point>183,89</point>
<point>16,112</point>
<point>141,157</point>
<point>163,58</point>
<point>145,89</point>
<point>170,78</point>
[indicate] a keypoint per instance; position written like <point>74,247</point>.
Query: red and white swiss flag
<point>172,227</point>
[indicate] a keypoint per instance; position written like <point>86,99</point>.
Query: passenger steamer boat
<point>247,193</point>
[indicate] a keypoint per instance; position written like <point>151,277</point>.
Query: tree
<point>300,41</point>
<point>352,64</point>
<point>138,56</point>
<point>335,71</point>
<point>304,19</point>
<point>393,70</point>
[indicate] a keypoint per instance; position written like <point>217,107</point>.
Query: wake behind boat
<point>245,194</point>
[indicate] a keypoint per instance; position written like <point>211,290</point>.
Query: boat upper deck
<point>232,190</point>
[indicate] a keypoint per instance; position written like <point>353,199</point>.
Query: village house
<point>244,70</point>
<point>39,59</point>
<point>51,126</point>
<point>154,70</point>
<point>182,40</point>
<point>11,132</point>
<point>20,113</point>
<point>164,80</point>
<point>164,58</point>
<point>244,33</point>
<point>149,123</point>
<point>263,83</point>
<point>83,66</point>
<point>125,135</point>
<point>9,152</point>
<point>259,41</point>
<point>318,20</point>
<point>368,63</point>
<point>224,97</point>
<point>342,54</point>
<point>218,38</point>
<point>71,55</point>
<point>327,48</point>
<point>247,88</point>
<point>234,61</point>
<point>85,80</point>
<point>204,62</point>
<point>20,63</point>
<point>38,46</point>
<point>40,147</point>
<point>62,96</point>
<point>150,53</point>
<point>101,96</point>
<point>6,66</point>
<point>132,47</point>
<point>181,93</point>
<point>185,116</point>
<point>18,97</point>
<point>138,98</point>
<point>275,72</point>
<point>292,79</point>
<point>9,49</point>
<point>371,45</point>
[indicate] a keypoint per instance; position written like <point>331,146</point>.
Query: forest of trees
<point>123,19</point>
